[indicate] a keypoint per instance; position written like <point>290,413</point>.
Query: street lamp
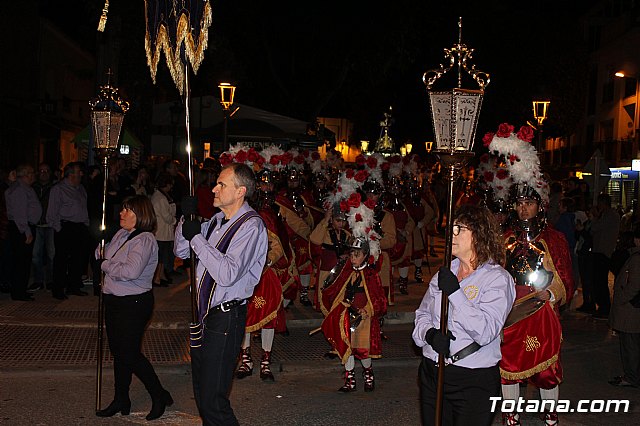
<point>428,146</point>
<point>454,113</point>
<point>364,145</point>
<point>540,108</point>
<point>227,93</point>
<point>107,115</point>
<point>636,79</point>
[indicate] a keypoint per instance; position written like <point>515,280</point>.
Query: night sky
<point>338,59</point>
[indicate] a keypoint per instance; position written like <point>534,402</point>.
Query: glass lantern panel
<point>106,128</point>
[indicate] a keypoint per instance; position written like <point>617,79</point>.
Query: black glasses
<point>456,229</point>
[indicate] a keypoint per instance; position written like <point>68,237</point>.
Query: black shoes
<point>123,407</point>
<point>159,404</point>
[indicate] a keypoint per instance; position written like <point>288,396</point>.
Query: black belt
<point>226,306</point>
<point>465,352</point>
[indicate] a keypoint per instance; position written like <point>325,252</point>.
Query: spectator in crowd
<point>43,248</point>
<point>180,187</point>
<point>625,316</point>
<point>142,184</point>
<point>165,210</point>
<point>23,212</point>
<point>68,215</point>
<point>605,225</point>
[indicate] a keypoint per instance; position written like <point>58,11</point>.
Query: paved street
<point>47,368</point>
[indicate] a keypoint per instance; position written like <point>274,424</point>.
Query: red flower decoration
<point>361,160</point>
<point>354,200</point>
<point>241,156</point>
<point>504,130</point>
<point>488,176</point>
<point>502,174</point>
<point>358,217</point>
<point>305,153</point>
<point>385,166</point>
<point>349,173</point>
<point>315,155</point>
<point>395,159</point>
<point>299,159</point>
<point>513,158</point>
<point>488,137</point>
<point>260,161</point>
<point>370,204</point>
<point>286,158</point>
<point>225,159</point>
<point>252,155</point>
<point>367,230</point>
<point>344,206</point>
<point>525,134</point>
<point>361,176</point>
<point>274,160</point>
<point>372,162</point>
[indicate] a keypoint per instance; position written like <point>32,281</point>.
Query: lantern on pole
<point>107,115</point>
<point>454,118</point>
<point>227,93</point>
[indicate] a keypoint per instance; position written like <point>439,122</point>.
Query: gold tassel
<point>103,18</point>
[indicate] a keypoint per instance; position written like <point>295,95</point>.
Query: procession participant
<point>352,325</point>
<point>400,254</point>
<point>23,212</point>
<point>421,213</point>
<point>297,219</point>
<point>471,346</point>
<point>538,258</point>
<point>231,249</point>
<point>130,261</point>
<point>329,239</point>
<point>264,308</point>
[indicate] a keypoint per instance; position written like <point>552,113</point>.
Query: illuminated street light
<point>227,93</point>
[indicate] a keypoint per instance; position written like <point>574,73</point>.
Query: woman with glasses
<point>481,293</point>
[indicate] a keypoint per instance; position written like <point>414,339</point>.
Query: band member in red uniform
<point>352,325</point>
<point>264,308</point>
<point>298,222</point>
<point>539,260</point>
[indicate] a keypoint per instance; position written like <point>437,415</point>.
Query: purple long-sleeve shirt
<point>23,206</point>
<point>238,271</point>
<point>67,202</point>
<point>477,312</point>
<point>129,265</point>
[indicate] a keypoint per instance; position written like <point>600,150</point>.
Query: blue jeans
<point>213,365</point>
<point>43,253</point>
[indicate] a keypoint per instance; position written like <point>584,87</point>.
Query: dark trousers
<point>71,257</point>
<point>585,268</point>
<point>126,318</point>
<point>466,394</point>
<point>601,282</point>
<point>213,365</point>
<point>21,252</point>
<point>166,256</point>
<point>630,354</point>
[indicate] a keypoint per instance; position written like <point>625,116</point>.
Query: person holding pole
<point>481,293</point>
<point>129,265</point>
<point>231,250</point>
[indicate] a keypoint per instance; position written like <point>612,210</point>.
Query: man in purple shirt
<point>231,250</point>
<point>23,212</point>
<point>68,216</point>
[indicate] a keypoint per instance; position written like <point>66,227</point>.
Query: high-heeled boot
<point>122,406</point>
<point>265,367</point>
<point>158,404</point>
<point>246,364</point>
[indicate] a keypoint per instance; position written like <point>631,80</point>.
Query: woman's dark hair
<point>164,179</point>
<point>487,241</point>
<point>145,215</point>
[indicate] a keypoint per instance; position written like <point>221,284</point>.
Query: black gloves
<point>438,341</point>
<point>190,228</point>
<point>189,205</point>
<point>447,282</point>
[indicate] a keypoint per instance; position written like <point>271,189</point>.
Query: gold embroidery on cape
<point>531,343</point>
<point>259,302</point>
